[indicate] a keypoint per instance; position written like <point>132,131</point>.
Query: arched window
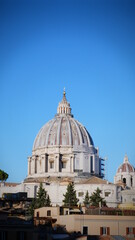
<point>124,180</point>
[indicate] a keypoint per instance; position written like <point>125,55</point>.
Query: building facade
<point>91,224</point>
<point>125,177</point>
<point>125,174</point>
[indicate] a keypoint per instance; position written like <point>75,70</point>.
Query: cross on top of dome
<point>64,106</point>
<point>64,96</point>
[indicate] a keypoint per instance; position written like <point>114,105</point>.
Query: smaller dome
<point>125,166</point>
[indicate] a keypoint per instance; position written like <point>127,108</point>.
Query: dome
<point>64,148</point>
<point>63,130</point>
<point>126,166</point>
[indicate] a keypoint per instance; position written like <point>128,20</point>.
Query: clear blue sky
<point>88,47</point>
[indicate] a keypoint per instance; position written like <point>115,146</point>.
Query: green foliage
<point>48,201</point>
<point>70,198</point>
<point>86,199</point>
<point>3,175</point>
<point>96,199</point>
<point>32,207</point>
<point>42,200</point>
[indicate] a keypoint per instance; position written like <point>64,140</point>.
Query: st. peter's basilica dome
<point>63,129</point>
<point>64,148</point>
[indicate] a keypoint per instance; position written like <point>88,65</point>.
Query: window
<point>124,180</point>
<point>107,194</point>
<point>91,164</point>
<point>131,181</point>
<point>104,231</point>
<point>36,165</point>
<point>48,213</point>
<point>85,230</point>
<point>63,164</point>
<point>51,164</point>
<point>130,230</point>
<point>78,170</point>
<point>80,194</point>
<point>37,214</point>
<point>46,162</point>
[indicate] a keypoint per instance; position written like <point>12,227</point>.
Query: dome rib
<point>38,140</point>
<point>69,132</point>
<point>87,136</point>
<point>58,131</point>
<point>78,131</point>
<point>49,130</point>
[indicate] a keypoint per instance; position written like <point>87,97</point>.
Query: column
<point>33,165</point>
<point>56,163</point>
<point>43,163</point>
<point>29,165</point>
<point>72,164</point>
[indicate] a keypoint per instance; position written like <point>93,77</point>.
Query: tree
<point>42,200</point>
<point>70,198</point>
<point>3,175</point>
<point>86,199</point>
<point>48,201</point>
<point>42,196</point>
<point>32,207</point>
<point>96,199</point>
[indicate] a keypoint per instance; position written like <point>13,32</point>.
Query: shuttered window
<point>130,230</point>
<point>104,231</point>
